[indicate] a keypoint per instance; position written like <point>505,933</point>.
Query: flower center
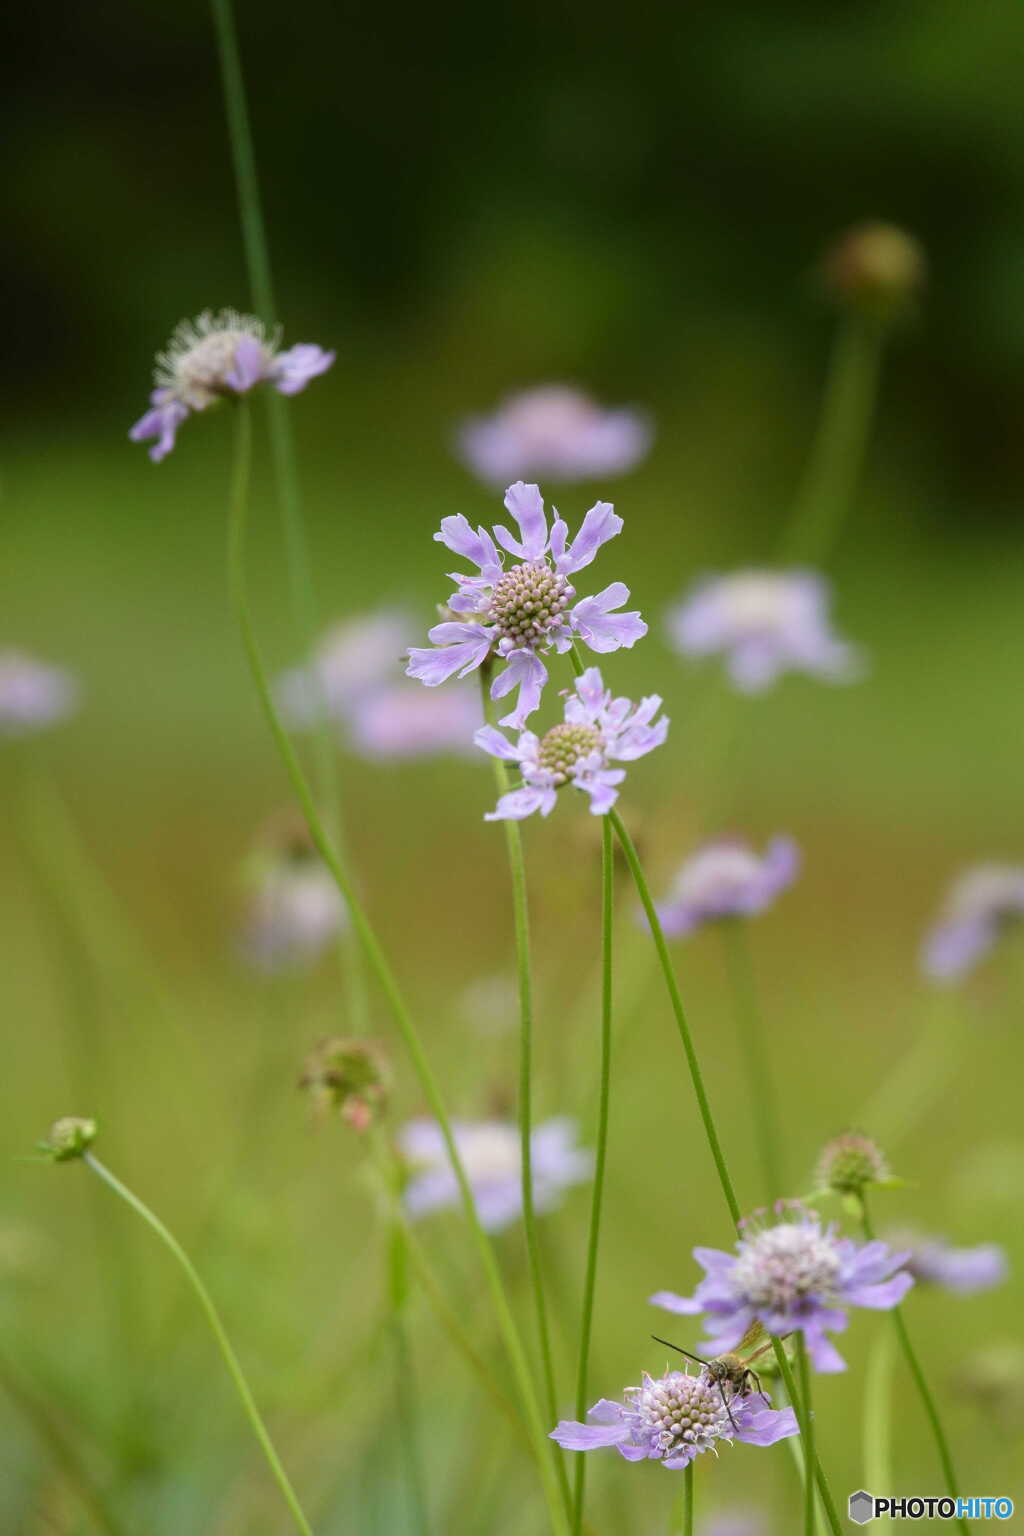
<point>757,603</point>
<point>528,602</point>
<point>562,747</point>
<point>785,1264</point>
<point>679,1408</point>
<point>201,354</point>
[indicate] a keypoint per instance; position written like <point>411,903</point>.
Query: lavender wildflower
<point>674,1419</point>
<point>516,614</point>
<point>964,1271</point>
<point>553,432</point>
<point>727,879</point>
<point>294,907</point>
<point>216,356</point>
<point>795,1274</point>
<point>596,732</point>
<point>32,694</point>
<point>766,623</point>
<point>982,902</point>
<point>490,1153</point>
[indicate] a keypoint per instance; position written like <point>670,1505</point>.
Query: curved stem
<point>807,1429</point>
<point>228,1355</point>
<point>597,1195</point>
<point>687,1525</point>
<point>756,1062</point>
<point>811,1461</point>
<point>378,964</point>
<point>914,1365</point>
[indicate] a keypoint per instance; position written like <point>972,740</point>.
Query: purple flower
<point>553,432</point>
<point>403,721</point>
<point>490,1153</point>
<point>513,615</point>
<point>218,355</point>
<point>596,732</point>
<point>32,694</point>
<point>674,1419</point>
<point>766,623</point>
<point>982,902</point>
<point>726,879</point>
<point>294,909</point>
<point>792,1275</point>
<point>964,1271</point>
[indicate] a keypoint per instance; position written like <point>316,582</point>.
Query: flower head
<point>674,1418</point>
<point>596,732</point>
<point>490,1154</point>
<point>982,902</point>
<point>216,356</point>
<point>32,694</point>
<point>352,1076</point>
<point>294,909</point>
<point>727,879</point>
<point>69,1137</point>
<point>851,1163</point>
<point>553,432</point>
<point>517,613</point>
<point>792,1274</point>
<point>877,267</point>
<point>964,1271</point>
<point>766,623</point>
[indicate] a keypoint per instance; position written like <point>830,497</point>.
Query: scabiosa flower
<point>596,732</point>
<point>766,623</point>
<point>795,1274</point>
<point>674,1419</point>
<point>727,879</point>
<point>553,432</point>
<point>294,909</point>
<point>32,694</point>
<point>964,1271</point>
<point>490,1153</point>
<point>982,902</point>
<point>516,614</point>
<point>218,355</point>
<point>403,721</point>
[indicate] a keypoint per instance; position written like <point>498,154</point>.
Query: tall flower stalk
<point>378,963</point>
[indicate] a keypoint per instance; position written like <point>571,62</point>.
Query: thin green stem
<point>521,923</point>
<point>837,454</point>
<point>230,1359</point>
<point>688,1500</point>
<point>923,1390</point>
<point>804,1373</point>
<point>378,964</point>
<point>878,1412</point>
<point>802,1409</point>
<point>756,1061</point>
<point>601,1155</point>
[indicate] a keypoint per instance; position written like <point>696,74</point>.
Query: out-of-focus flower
<point>32,694</point>
<point>69,1137</point>
<point>727,879</point>
<point>764,623</point>
<point>514,615</point>
<point>981,903</point>
<point>673,1419</point>
<point>877,266</point>
<point>490,1153</point>
<point>216,356</point>
<point>403,721</point>
<point>994,1378</point>
<point>794,1274</point>
<point>294,909</point>
<point>964,1271</point>
<point>351,1076</point>
<point>851,1163</point>
<point>596,732</point>
<point>553,433</point>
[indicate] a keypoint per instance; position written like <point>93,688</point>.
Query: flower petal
<point>523,670</point>
<point>688,1306</point>
<point>457,534</point>
<point>600,524</point>
<point>292,370</point>
<point>248,367</point>
<point>496,744</point>
<point>520,803</point>
<point>602,629</point>
<point>526,505</point>
<point>767,1425</point>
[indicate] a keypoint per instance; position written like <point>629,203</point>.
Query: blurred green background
<point>464,202</point>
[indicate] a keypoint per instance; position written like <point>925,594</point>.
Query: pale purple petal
<point>767,1425</point>
<point>889,1293</point>
<point>823,1353</point>
<point>526,505</point>
<point>292,370</point>
<point>496,744</point>
<point>572,1436</point>
<point>602,629</point>
<point>432,666</point>
<point>162,422</point>
<point>591,691</point>
<point>520,803</point>
<point>478,546</point>
<point>687,1306</point>
<point>523,670</point>
<point>599,525</point>
<point>249,366</point>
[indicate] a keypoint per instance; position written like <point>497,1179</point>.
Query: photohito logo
<point>865,1506</point>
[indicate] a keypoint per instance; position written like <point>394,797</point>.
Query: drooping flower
<point>727,879</point>
<point>596,732</point>
<point>515,615</point>
<point>675,1418</point>
<point>964,1271</point>
<point>793,1274</point>
<point>765,623</point>
<point>293,907</point>
<point>32,694</point>
<point>981,903</point>
<point>553,432</point>
<point>219,355</point>
<point>490,1153</point>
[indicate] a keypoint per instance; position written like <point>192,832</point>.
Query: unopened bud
<point>850,1163</point>
<point>351,1076</point>
<point>878,267</point>
<point>70,1136</point>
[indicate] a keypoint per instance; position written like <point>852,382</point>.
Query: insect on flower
<point>733,1369</point>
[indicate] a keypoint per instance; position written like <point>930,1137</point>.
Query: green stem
<point>590,1281</point>
<point>914,1365</point>
<point>521,922</point>
<point>802,1409</point>
<point>378,964</point>
<point>305,616</point>
<point>807,1428</point>
<point>756,1061</point>
<point>230,1359</point>
<point>837,454</point>
<point>878,1413</point>
<point>687,1525</point>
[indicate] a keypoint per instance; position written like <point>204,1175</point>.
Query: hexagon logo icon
<point>862,1507</point>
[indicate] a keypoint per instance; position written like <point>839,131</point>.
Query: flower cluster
<point>553,432</point>
<point>982,902</point>
<point>726,879</point>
